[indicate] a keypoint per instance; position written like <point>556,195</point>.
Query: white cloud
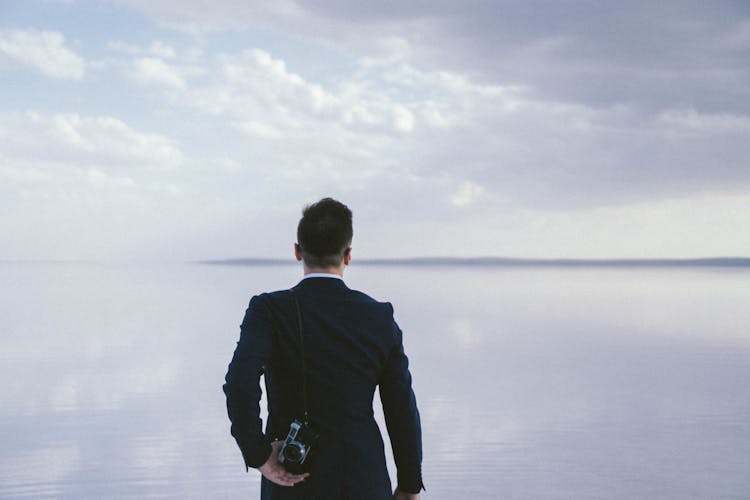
<point>44,51</point>
<point>153,70</point>
<point>255,75</point>
<point>157,48</point>
<point>466,194</point>
<point>163,50</point>
<point>70,138</point>
<point>255,84</point>
<point>713,224</point>
<point>22,175</point>
<point>403,119</point>
<point>257,129</point>
<point>101,179</point>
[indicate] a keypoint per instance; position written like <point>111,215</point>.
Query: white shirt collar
<point>322,275</point>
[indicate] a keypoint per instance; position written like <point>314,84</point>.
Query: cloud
<point>101,179</point>
<point>403,119</point>
<point>163,50</point>
<point>431,112</point>
<point>694,226</point>
<point>257,129</point>
<point>193,17</point>
<point>568,109</point>
<point>642,52</point>
<point>708,123</point>
<point>43,51</point>
<point>93,187</point>
<point>153,70</point>
<point>445,129</point>
<point>72,139</point>
<point>257,75</point>
<point>264,98</point>
<point>86,185</point>
<point>466,194</point>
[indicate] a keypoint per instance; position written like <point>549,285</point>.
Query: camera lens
<point>292,453</point>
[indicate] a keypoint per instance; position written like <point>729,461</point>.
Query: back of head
<point>324,233</point>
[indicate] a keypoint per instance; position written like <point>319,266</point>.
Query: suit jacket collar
<point>321,284</point>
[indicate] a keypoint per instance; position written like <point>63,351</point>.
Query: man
<point>323,349</point>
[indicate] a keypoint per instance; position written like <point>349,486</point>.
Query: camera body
<point>297,447</point>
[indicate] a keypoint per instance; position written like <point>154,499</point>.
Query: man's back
<point>351,345</point>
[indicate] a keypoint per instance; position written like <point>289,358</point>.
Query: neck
<point>339,271</point>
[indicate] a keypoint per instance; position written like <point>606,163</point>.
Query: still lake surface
<point>532,383</point>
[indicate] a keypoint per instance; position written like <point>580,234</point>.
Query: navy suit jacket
<point>351,346</point>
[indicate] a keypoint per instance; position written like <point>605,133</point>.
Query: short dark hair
<point>324,233</point>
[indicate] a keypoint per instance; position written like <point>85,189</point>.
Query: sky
<point>189,129</point>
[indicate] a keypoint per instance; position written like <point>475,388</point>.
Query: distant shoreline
<point>504,262</point>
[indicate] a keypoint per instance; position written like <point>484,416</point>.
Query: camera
<point>295,452</point>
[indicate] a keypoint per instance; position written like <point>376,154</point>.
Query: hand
<point>276,473</point>
<point>400,495</point>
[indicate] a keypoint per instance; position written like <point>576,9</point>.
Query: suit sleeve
<point>242,387</point>
<point>402,417</point>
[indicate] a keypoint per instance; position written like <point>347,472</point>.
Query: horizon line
<point>503,262</point>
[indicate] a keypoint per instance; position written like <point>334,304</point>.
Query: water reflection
<point>531,383</point>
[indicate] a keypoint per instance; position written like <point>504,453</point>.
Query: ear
<point>297,252</point>
<point>347,256</point>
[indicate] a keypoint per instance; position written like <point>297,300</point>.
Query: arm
<point>402,419</point>
<point>243,392</point>
<point>242,386</point>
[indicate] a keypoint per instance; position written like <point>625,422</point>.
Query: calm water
<point>533,384</point>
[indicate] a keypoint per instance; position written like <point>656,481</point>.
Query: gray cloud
<point>655,54</point>
<point>596,80</point>
<point>660,54</point>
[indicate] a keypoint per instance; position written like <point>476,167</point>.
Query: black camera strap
<point>302,352</point>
